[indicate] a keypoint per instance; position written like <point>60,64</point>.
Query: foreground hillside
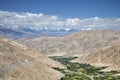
<point>18,62</point>
<point>83,42</point>
<point>106,56</point>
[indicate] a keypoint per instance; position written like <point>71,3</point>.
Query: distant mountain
<point>18,62</point>
<point>80,43</point>
<point>50,32</point>
<point>10,33</point>
<point>18,33</point>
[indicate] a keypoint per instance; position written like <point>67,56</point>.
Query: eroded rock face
<point>18,62</point>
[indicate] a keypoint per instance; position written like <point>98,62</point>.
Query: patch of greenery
<point>84,68</point>
<point>77,71</point>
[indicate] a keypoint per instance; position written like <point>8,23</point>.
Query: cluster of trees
<point>84,68</point>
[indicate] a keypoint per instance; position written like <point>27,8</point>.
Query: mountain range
<point>17,33</point>
<point>83,42</point>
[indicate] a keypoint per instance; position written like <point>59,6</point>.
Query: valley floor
<point>77,71</point>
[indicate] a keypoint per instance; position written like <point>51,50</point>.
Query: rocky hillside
<point>107,56</point>
<point>79,43</point>
<point>18,62</point>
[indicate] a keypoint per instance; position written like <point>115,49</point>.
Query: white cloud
<point>15,19</point>
<point>73,22</point>
<point>87,29</point>
<point>40,20</point>
<point>95,22</point>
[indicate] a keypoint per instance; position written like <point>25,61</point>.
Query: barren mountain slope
<point>78,43</point>
<point>107,56</point>
<point>18,62</point>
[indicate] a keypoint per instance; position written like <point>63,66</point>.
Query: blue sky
<point>79,14</point>
<point>65,8</point>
